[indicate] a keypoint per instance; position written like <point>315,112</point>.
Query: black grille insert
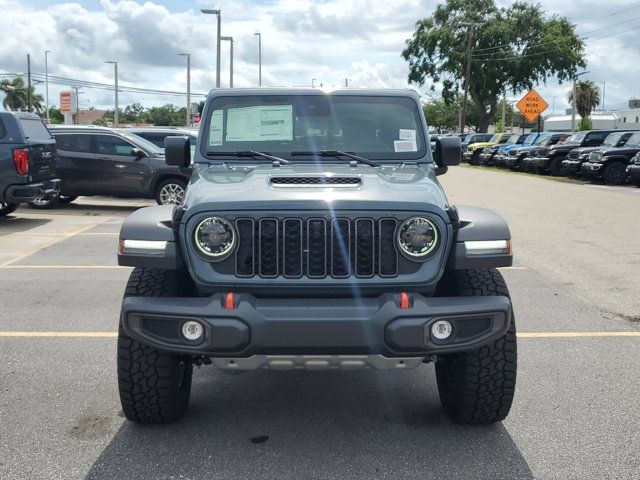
<point>316,247</point>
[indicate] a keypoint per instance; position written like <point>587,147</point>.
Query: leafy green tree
<point>134,113</point>
<point>55,115</point>
<point>587,97</point>
<point>585,124</point>
<point>516,47</point>
<point>16,97</point>
<point>444,113</point>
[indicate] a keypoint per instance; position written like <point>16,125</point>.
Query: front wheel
<point>171,192</point>
<point>154,385</point>
<point>477,387</point>
<point>615,173</point>
<point>7,208</point>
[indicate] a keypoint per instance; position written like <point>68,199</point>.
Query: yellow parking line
<point>63,267</point>
<point>520,335</point>
<point>576,334</point>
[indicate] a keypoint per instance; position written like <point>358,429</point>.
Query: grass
<point>511,172</point>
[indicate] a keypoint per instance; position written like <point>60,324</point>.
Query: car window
<point>112,145</point>
<point>73,142</point>
<point>34,129</point>
<point>3,130</point>
<point>154,137</point>
<point>595,136</point>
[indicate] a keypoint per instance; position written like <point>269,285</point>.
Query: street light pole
<point>259,35</point>
<point>230,39</point>
<point>46,84</point>
<point>116,117</point>
<point>188,56</point>
<point>28,82</point>
<point>217,12</point>
<point>604,91</point>
<point>77,119</point>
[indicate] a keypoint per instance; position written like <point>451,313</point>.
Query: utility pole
<point>230,40</point>
<point>472,40</point>
<point>116,115</point>
<point>604,91</point>
<point>259,58</point>
<point>188,56</point>
<point>46,84</point>
<point>77,118</point>
<point>29,109</point>
<point>504,113</point>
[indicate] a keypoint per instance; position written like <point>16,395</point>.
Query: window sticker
<point>406,134</point>
<point>405,146</point>
<point>215,129</point>
<point>260,123</point>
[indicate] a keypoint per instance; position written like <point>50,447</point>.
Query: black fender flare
<point>152,224</point>
<point>479,225</point>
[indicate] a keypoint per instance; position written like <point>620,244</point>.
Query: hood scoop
<point>315,181</point>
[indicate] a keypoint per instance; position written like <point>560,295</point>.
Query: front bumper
<point>511,161</point>
<point>538,162</point>
<point>591,169</point>
<point>31,191</point>
<point>634,172</point>
<point>572,167</point>
<point>295,327</point>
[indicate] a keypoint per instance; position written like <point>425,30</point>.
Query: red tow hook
<point>404,301</point>
<point>229,302</point>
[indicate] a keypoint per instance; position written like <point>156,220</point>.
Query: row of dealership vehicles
<point>612,156</point>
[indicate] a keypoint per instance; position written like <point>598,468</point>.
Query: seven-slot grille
<point>316,247</point>
<point>315,181</point>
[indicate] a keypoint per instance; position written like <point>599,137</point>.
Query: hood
<point>304,186</point>
<point>474,146</point>
<point>578,152</point>
<point>629,151</point>
<point>564,146</point>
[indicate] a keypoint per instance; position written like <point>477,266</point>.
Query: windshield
<point>576,137</point>
<point>144,144</point>
<point>513,139</point>
<point>531,138</point>
<point>633,140</point>
<point>612,139</point>
<point>494,139</point>
<point>376,127</point>
<point>542,140</point>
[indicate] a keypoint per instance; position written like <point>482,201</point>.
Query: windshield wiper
<point>247,153</point>
<point>338,154</point>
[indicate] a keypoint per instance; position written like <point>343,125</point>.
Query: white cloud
<point>329,40</point>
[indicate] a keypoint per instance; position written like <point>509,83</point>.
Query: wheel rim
<point>172,194</point>
<point>616,173</point>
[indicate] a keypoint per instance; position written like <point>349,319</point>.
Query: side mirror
<point>177,151</point>
<point>138,153</point>
<point>448,152</point>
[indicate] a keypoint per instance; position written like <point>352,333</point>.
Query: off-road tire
<point>66,199</point>
<point>477,387</point>
<point>154,385</point>
<point>7,208</point>
<point>615,173</point>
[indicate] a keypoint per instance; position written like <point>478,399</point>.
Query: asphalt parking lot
<point>574,288</point>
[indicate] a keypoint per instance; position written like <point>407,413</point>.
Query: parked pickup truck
<point>487,157</point>
<point>573,164</point>
<point>633,170</point>
<point>516,156</point>
<point>27,161</point>
<point>610,164</point>
<point>549,160</point>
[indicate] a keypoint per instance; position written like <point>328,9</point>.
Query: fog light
<point>441,330</point>
<point>192,331</point>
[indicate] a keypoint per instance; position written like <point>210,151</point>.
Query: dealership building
<point>628,119</point>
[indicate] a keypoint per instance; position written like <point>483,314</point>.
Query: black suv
<point>549,160</point>
<point>633,169</point>
<point>573,163</point>
<point>315,235</point>
<point>610,164</point>
<point>27,161</point>
<point>104,161</point>
<point>516,157</point>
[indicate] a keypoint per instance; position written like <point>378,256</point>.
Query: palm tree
<point>587,97</point>
<point>15,92</point>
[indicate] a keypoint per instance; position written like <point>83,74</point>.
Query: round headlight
<point>215,237</point>
<point>417,238</point>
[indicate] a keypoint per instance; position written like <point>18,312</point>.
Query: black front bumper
<point>30,191</point>
<point>337,326</point>
<point>592,170</point>
<point>572,167</point>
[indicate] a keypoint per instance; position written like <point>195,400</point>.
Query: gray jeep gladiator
<point>314,234</point>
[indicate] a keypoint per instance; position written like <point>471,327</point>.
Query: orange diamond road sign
<point>532,105</point>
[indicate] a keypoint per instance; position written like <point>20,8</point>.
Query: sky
<point>331,41</point>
